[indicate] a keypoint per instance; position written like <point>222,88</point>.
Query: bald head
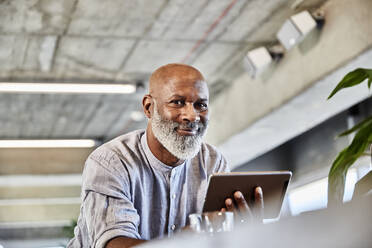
<point>172,73</point>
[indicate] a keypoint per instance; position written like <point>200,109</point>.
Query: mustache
<point>189,125</point>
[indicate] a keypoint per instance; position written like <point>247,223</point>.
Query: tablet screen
<point>274,185</point>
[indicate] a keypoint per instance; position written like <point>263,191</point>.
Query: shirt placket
<point>172,199</point>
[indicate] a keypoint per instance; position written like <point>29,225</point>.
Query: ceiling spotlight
<point>296,28</point>
<point>259,59</point>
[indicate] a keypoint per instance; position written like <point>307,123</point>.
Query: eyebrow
<point>179,96</point>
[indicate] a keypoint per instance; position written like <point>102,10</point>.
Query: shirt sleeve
<point>223,166</point>
<point>107,206</point>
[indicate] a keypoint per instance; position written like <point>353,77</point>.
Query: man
<point>144,184</point>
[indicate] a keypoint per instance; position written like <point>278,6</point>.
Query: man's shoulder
<point>208,149</point>
<point>124,145</point>
<point>211,159</point>
<point>210,154</point>
<point>130,139</point>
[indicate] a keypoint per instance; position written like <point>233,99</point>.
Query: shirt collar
<point>154,161</point>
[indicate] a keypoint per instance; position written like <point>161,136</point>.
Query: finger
<point>223,210</point>
<point>259,202</point>
<point>229,205</point>
<point>242,203</point>
<point>245,213</point>
<point>231,208</point>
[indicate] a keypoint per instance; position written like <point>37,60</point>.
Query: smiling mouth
<point>187,131</point>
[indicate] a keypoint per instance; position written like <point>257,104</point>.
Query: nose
<point>189,114</point>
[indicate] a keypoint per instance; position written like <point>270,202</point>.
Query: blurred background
<point>60,63</point>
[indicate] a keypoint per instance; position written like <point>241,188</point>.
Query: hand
<point>242,211</point>
<point>123,242</point>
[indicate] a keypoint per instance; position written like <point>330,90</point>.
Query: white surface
<point>309,197</point>
<point>297,116</point>
<point>313,196</point>
<point>288,35</point>
<point>304,22</point>
<point>260,58</point>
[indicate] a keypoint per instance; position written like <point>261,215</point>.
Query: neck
<point>159,151</point>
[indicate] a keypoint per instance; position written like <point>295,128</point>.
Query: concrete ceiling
<point>119,41</point>
<point>297,116</point>
<point>254,116</point>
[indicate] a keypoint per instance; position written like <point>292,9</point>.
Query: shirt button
<point>174,196</point>
<point>173,227</point>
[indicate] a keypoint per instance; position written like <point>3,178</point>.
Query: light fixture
<point>294,30</point>
<point>65,88</point>
<point>56,143</point>
<point>257,60</point>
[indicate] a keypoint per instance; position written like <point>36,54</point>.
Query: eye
<point>201,105</point>
<point>178,102</point>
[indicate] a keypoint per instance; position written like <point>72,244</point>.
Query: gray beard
<point>182,147</point>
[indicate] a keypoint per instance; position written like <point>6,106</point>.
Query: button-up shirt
<point>127,191</point>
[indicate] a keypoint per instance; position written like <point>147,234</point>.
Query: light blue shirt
<point>128,192</point>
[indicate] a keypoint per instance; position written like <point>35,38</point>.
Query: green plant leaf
<point>362,138</point>
<point>353,78</point>
<point>337,178</point>
<point>369,73</point>
<point>365,122</point>
<point>337,173</point>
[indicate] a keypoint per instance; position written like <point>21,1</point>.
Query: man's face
<point>180,115</point>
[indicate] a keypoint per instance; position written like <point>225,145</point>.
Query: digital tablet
<point>274,185</point>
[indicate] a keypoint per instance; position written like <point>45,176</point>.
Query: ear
<point>146,104</point>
